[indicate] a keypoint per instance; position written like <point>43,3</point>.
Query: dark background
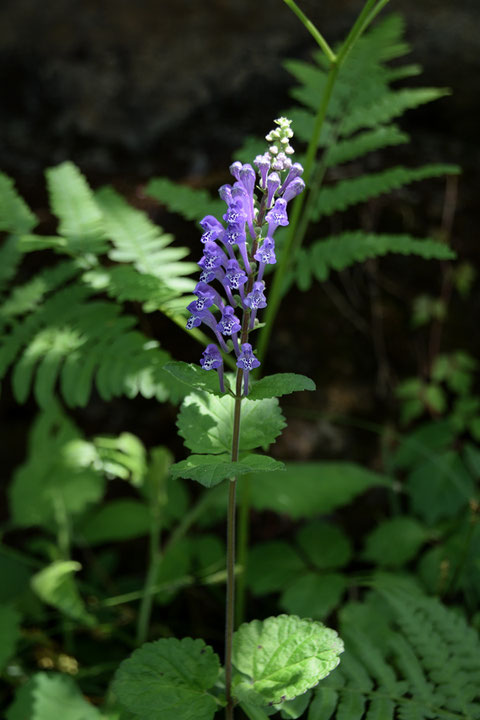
<point>129,90</point>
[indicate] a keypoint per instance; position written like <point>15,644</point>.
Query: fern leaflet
<point>340,251</point>
<point>350,192</point>
<point>72,201</point>
<point>15,215</point>
<point>192,204</point>
<point>423,665</point>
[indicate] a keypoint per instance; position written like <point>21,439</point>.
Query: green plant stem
<point>145,610</point>
<point>242,552</point>
<point>230,599</point>
<point>316,34</point>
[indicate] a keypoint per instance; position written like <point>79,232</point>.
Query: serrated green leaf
<point>169,680</point>
<point>307,489</point>
<point>293,709</point>
<point>206,423</point>
<point>46,696</point>
<point>117,520</point>
<point>9,632</point>
<point>195,377</point>
<point>189,202</point>
<point>326,546</point>
<point>209,470</point>
<point>55,585</point>
<point>278,385</point>
<point>271,566</point>
<point>15,215</point>
<point>314,594</point>
<point>346,150</point>
<point>282,657</point>
<point>395,542</point>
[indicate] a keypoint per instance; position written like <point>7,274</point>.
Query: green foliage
<point>302,573</point>
<point>47,695</point>
<point>278,385</point>
<point>55,328</point>
<point>55,585</point>
<point>395,542</point>
<point>209,470</point>
<point>169,680</point>
<point>15,215</point>
<point>338,252</point>
<point>281,658</point>
<point>9,632</point>
<point>206,423</point>
<point>308,489</point>
<point>60,477</point>
<point>191,203</point>
<point>360,189</point>
<point>193,376</point>
<point>424,663</point>
<point>117,520</point>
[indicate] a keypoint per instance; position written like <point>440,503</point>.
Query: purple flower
<point>273,183</point>
<point>277,216</point>
<point>206,297</point>
<point>213,257</point>
<point>263,164</point>
<point>256,299</point>
<point>247,178</point>
<point>295,171</point>
<point>247,361</point>
<point>293,189</point>
<point>266,253</point>
<point>235,168</point>
<point>235,213</point>
<point>235,277</point>
<point>213,228</point>
<point>212,360</point>
<point>229,324</point>
<point>225,192</point>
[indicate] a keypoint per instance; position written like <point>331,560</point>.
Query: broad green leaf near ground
<point>306,489</point>
<point>282,657</point>
<point>169,680</point>
<point>47,696</point>
<point>206,423</point>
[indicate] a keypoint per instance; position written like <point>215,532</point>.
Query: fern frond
<point>125,283</point>
<point>140,242</point>
<point>26,298</point>
<point>391,105</point>
<point>191,203</point>
<point>351,192</point>
<point>363,143</point>
<point>80,342</point>
<point>10,257</point>
<point>340,251</point>
<point>425,668</point>
<point>72,201</point>
<point>15,215</point>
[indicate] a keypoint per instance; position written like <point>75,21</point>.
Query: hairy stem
<point>316,34</point>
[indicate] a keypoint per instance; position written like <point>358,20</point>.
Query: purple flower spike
<point>294,188</point>
<point>277,216</point>
<point>247,178</point>
<point>235,168</point>
<point>273,183</point>
<point>229,323</point>
<point>212,360</point>
<point>256,299</point>
<point>263,164</point>
<point>247,362</point>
